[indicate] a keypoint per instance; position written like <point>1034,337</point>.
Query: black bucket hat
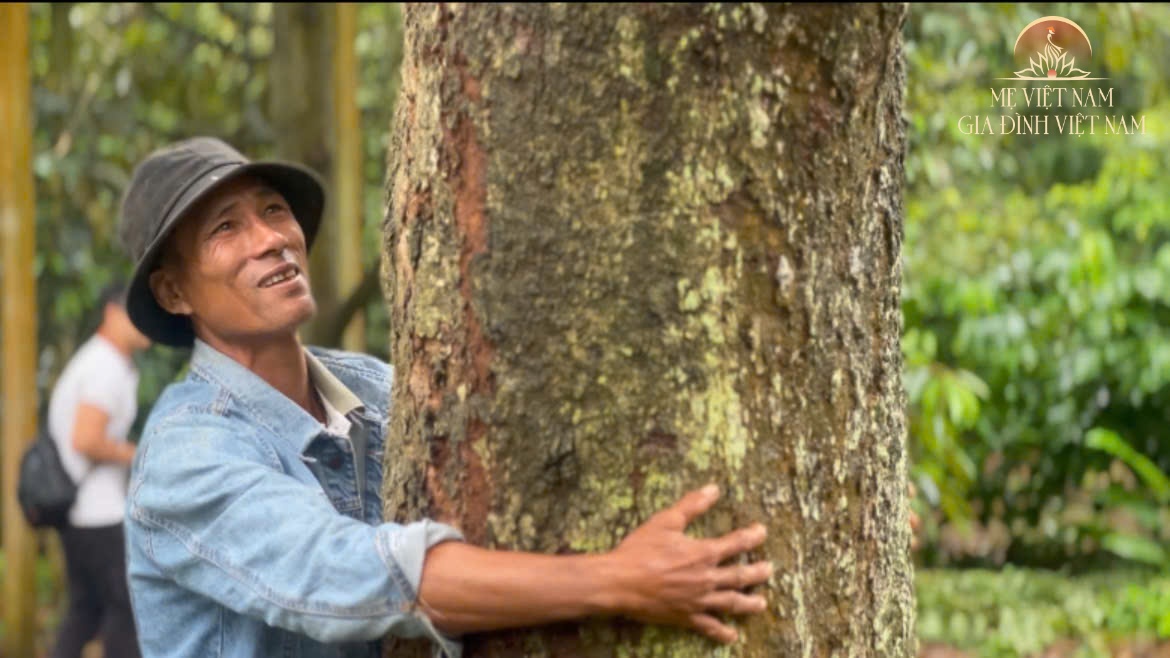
<point>165,186</point>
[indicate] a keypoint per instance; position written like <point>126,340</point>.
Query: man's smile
<point>280,274</point>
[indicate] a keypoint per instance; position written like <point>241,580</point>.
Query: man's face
<point>238,265</point>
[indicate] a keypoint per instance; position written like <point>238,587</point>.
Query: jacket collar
<point>263,404</point>
<point>332,389</point>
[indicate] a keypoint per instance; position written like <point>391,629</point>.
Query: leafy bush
<point>1019,612</point>
<point>1038,345</point>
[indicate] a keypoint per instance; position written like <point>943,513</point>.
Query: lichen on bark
<point>633,249</point>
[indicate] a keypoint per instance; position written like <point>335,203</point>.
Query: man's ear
<point>167,292</point>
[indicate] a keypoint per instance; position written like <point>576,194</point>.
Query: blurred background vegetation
<point>1036,284</point>
<point>1036,301</point>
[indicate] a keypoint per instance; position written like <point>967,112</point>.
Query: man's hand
<point>669,578</point>
<point>656,575</point>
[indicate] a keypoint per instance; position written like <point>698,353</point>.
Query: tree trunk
<point>633,249</point>
<point>301,107</point>
<point>18,327</point>
<point>61,65</point>
<point>347,173</point>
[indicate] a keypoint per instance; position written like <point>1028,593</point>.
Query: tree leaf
<point>1110,442</point>
<point>1132,547</point>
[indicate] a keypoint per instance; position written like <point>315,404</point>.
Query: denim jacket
<point>246,533</point>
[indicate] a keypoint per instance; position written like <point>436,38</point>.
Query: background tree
<point>633,249</point>
<point>18,423</point>
<point>314,113</point>
<point>302,108</point>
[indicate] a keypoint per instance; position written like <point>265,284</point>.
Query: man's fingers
<point>739,576</point>
<point>733,603</point>
<point>713,628</point>
<point>690,506</point>
<point>739,541</point>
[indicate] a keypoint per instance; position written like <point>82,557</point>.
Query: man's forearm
<point>467,589</point>
<point>656,575</point>
<point>106,450</point>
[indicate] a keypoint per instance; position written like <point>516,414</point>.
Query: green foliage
<point>1038,344</point>
<point>948,405</point>
<point>1142,608</point>
<point>1021,612</point>
<point>1109,442</point>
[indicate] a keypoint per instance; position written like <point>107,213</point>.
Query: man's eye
<point>221,227</point>
<point>274,208</point>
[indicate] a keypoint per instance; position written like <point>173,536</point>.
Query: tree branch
<point>348,309</point>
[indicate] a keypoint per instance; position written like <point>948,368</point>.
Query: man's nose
<point>265,237</point>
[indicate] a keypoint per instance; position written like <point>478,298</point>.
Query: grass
<point>1017,612</point>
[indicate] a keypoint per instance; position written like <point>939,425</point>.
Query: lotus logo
<point>1052,48</point>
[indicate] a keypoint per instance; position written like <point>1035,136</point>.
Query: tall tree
<point>347,167</point>
<point>18,326</point>
<point>301,106</point>
<point>631,249</point>
<point>313,104</point>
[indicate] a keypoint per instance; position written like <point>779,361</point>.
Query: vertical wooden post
<point>347,167</point>
<point>19,331</point>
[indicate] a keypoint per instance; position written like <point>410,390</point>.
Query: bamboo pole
<point>19,393</point>
<point>347,167</point>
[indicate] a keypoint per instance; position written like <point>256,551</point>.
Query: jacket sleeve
<point>220,519</point>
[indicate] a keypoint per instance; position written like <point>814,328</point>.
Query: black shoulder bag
<point>45,490</point>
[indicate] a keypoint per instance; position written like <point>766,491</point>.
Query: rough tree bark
<point>632,249</point>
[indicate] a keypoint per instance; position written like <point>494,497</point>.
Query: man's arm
<point>656,575</point>
<point>90,439</point>
<point>222,521</point>
<point>211,509</point>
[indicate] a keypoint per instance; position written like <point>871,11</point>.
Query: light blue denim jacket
<point>235,547</point>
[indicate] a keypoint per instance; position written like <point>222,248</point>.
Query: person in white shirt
<point>91,411</point>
